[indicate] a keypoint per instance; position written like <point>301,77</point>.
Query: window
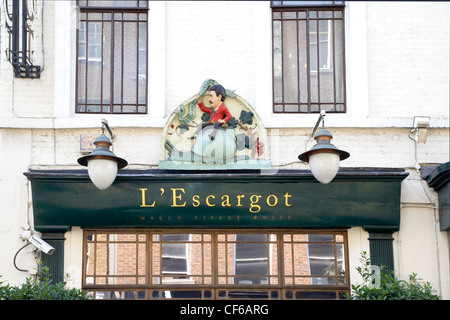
<point>174,254</point>
<point>219,264</point>
<point>308,56</point>
<point>112,57</point>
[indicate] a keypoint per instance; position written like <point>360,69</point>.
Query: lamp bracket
<point>105,125</point>
<point>321,118</point>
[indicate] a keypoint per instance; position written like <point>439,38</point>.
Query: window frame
<point>306,4</point>
<point>281,288</point>
<point>339,100</point>
<point>141,108</point>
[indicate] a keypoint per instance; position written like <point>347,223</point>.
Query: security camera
<point>41,244</point>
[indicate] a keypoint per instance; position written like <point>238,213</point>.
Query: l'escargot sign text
<point>178,197</point>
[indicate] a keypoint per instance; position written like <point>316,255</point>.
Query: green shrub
<point>388,286</point>
<point>41,288</point>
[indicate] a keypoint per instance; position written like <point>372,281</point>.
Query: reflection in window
<point>311,259</point>
<point>116,259</point>
<point>251,259</point>
<point>174,255</point>
<point>181,259</point>
<point>247,259</point>
<point>220,264</point>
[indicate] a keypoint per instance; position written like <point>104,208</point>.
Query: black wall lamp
<point>102,164</point>
<point>323,158</point>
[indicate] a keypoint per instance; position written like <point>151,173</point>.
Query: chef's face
<point>214,100</point>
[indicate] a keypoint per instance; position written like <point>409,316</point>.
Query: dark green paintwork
<point>357,197</point>
<point>439,180</point>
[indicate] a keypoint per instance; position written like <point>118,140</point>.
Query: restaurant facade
<point>199,210</point>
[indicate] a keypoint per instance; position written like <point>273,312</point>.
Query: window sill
<point>333,120</point>
<point>270,122</point>
<point>84,121</point>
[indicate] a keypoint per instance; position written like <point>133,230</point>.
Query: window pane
<point>184,259</point>
<point>315,295</point>
<point>246,259</point>
<point>308,60</point>
<point>118,36</point>
<point>106,90</point>
<point>175,237</point>
<point>107,295</point>
<point>179,294</point>
<point>207,256</point>
<point>112,3</point>
<point>313,259</point>
<point>301,265</point>
<point>340,258</point>
<point>277,62</point>
<point>290,81</point>
<point>81,70</point>
<point>289,15</point>
<point>94,41</point>
<point>248,294</point>
<point>325,14</point>
<point>339,61</point>
<point>321,259</point>
<point>174,250</point>
<point>115,259</point>
<point>303,61</point>
<point>94,62</point>
<point>143,3</point>
<point>314,89</point>
<point>156,258</point>
<point>251,259</point>
<point>90,256</point>
<point>325,62</point>
<point>129,80</point>
<point>305,3</point>
<point>318,237</point>
<point>142,63</point>
<point>130,16</point>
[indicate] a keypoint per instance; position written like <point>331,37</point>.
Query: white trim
<point>263,61</point>
<point>157,60</point>
<point>66,20</point>
<point>356,59</point>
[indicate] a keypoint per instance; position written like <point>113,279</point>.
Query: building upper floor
<point>368,64</point>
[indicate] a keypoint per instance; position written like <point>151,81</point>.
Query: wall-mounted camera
<point>41,244</point>
<point>35,241</point>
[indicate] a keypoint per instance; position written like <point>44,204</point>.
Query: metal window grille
<point>308,57</point>
<point>112,59</point>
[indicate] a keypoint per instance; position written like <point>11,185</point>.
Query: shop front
<point>156,234</point>
<point>216,220</point>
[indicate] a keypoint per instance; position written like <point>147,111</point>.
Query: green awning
<point>231,199</point>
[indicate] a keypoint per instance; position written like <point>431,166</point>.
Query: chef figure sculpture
<point>219,113</point>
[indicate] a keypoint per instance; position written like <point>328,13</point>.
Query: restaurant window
<point>112,57</point>
<point>219,264</point>
<point>308,56</point>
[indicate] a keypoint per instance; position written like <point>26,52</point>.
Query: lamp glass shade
<point>102,172</point>
<point>324,166</point>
